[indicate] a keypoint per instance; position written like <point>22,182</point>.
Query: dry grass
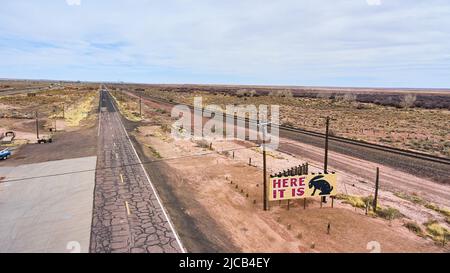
<point>47,103</point>
<point>354,201</point>
<point>436,231</point>
<point>415,228</point>
<point>75,114</point>
<point>362,202</point>
<point>127,106</point>
<point>444,211</point>
<point>412,198</point>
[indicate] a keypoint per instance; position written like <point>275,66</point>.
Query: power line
<point>123,165</point>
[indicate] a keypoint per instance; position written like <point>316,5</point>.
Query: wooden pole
<point>37,126</point>
<point>325,162</point>
<point>264,174</point>
<point>377,181</point>
<point>140,104</point>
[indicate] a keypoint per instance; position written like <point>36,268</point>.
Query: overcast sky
<point>383,43</point>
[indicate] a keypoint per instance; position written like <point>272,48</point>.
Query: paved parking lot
<point>47,213</point>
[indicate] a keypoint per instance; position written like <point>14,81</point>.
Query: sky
<point>354,43</point>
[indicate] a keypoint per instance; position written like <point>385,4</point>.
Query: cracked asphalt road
<point>128,215</point>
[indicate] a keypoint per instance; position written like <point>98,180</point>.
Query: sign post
<point>264,128</point>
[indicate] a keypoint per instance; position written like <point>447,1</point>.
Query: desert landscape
<point>214,188</point>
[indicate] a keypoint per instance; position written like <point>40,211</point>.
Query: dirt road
<point>128,215</point>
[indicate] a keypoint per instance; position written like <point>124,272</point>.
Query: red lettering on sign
<point>293,182</point>
<point>285,182</point>
<point>281,193</point>
<point>276,183</point>
<point>298,192</point>
<point>301,181</point>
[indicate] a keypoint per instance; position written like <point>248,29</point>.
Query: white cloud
<point>373,2</point>
<point>292,41</point>
<point>73,2</point>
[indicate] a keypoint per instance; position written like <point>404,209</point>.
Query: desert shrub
<point>203,143</point>
<point>355,201</point>
<point>166,128</point>
<point>436,231</point>
<point>362,106</point>
<point>245,93</point>
<point>408,100</point>
<point>414,227</point>
<point>154,152</point>
<point>347,97</point>
<point>412,198</point>
<point>323,95</point>
<point>281,93</point>
<point>443,211</point>
<point>388,213</point>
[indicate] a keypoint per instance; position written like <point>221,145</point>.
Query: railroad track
<point>359,143</point>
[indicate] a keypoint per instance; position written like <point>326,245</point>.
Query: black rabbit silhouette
<point>320,184</point>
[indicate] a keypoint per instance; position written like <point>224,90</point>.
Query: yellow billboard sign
<point>301,186</point>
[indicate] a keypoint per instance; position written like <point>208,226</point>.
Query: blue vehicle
<point>4,154</point>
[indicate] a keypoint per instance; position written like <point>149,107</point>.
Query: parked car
<point>4,154</point>
<point>45,139</point>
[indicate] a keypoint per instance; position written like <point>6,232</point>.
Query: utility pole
<point>140,104</point>
<point>37,126</point>
<point>377,181</point>
<point>264,126</point>
<point>325,162</point>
